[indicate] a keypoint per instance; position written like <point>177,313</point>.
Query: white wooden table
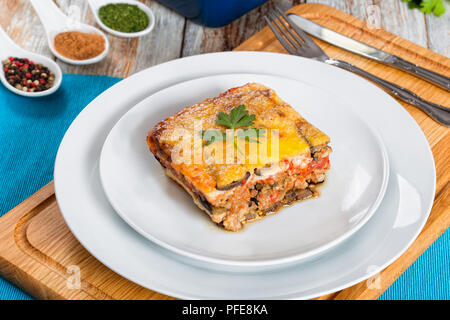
<point>174,36</point>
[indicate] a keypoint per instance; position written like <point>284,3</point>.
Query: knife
<point>370,52</point>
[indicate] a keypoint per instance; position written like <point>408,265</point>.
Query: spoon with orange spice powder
<point>72,42</point>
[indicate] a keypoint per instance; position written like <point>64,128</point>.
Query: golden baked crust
<point>259,180</point>
<point>296,135</point>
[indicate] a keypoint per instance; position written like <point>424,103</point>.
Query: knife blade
<point>368,51</point>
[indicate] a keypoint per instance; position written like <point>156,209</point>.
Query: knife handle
<point>428,75</point>
<point>439,113</point>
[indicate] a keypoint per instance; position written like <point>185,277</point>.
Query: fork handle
<point>439,113</point>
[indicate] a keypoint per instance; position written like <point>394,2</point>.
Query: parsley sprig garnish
<point>428,6</point>
<point>239,117</point>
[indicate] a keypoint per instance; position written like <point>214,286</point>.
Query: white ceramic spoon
<point>96,4</point>
<point>55,22</point>
<point>9,49</point>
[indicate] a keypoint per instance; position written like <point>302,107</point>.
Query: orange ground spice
<point>79,45</point>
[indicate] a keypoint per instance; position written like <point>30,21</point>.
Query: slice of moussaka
<point>242,155</point>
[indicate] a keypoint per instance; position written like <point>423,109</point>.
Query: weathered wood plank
<point>127,56</point>
<point>356,8</point>
<point>439,32</point>
<point>402,21</point>
<point>393,16</point>
<point>200,39</point>
<point>164,42</point>
<point>173,36</point>
<point>18,19</point>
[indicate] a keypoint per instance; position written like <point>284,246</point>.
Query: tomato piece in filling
<point>320,164</point>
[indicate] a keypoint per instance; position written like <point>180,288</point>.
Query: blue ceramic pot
<point>212,13</point>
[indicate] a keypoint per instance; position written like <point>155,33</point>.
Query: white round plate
<point>163,212</point>
<point>394,226</point>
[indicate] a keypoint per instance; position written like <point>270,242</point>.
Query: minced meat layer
<point>249,201</point>
<point>262,198</point>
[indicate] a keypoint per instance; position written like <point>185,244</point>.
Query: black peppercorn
<point>26,75</point>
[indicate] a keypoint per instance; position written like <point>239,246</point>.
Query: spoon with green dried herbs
<point>27,73</point>
<point>123,18</point>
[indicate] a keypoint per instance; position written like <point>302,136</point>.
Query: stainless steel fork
<point>297,42</point>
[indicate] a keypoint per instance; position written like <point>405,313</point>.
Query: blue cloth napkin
<point>32,129</point>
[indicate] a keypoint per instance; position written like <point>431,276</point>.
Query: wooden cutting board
<point>38,252</point>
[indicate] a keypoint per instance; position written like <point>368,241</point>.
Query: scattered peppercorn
<point>25,75</point>
<point>123,17</point>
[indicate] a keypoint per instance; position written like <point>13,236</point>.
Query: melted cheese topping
<point>295,137</point>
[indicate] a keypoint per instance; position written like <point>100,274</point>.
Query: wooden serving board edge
<point>16,263</point>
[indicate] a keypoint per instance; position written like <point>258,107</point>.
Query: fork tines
<point>293,39</point>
